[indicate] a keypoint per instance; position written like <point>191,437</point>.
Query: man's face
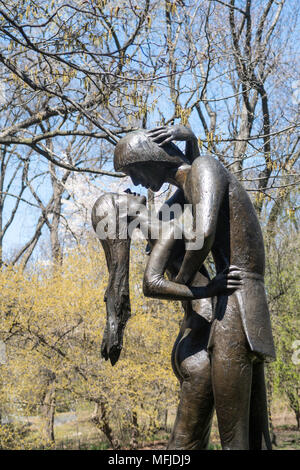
<point>151,175</point>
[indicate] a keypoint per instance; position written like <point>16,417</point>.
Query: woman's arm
<point>157,286</point>
<point>166,252</point>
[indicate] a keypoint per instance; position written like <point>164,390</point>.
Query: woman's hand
<point>225,283</point>
<point>164,134</point>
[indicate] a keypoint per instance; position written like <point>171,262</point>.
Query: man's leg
<point>231,375</point>
<point>259,426</point>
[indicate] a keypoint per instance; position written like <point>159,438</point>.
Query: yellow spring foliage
<point>52,322</point>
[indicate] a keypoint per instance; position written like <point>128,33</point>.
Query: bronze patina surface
<point>225,336</point>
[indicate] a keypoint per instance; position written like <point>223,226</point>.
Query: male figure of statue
<point>226,353</point>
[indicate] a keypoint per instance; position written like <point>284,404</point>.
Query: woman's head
<point>116,245</point>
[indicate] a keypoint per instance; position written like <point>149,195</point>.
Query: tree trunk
<point>269,402</point>
<point>294,404</point>
<point>241,145</point>
<point>101,420</point>
<point>135,431</point>
<point>48,411</point>
<point>54,228</point>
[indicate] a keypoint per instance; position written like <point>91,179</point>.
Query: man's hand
<point>164,134</point>
<point>225,283</point>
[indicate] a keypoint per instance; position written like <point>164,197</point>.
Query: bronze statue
<point>226,334</point>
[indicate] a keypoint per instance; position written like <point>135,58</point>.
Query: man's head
<point>145,161</point>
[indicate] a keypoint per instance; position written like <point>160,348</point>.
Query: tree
<point>53,346</point>
<point>282,280</point>
<point>75,77</point>
<point>91,71</point>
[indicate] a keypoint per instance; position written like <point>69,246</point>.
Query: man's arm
<point>207,185</point>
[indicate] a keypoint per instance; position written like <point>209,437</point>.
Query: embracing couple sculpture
<point>225,336</point>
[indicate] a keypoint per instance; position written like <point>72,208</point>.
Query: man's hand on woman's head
<point>165,134</point>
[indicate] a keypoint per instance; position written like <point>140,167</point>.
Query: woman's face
<point>151,175</point>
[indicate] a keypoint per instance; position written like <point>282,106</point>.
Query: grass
<point>82,434</point>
